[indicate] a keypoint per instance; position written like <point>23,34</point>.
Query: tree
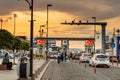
<point>6,39</point>
<point>24,45</point>
<point>16,43</point>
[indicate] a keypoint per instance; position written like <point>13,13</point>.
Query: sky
<point>61,11</point>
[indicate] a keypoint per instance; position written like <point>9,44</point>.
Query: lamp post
<point>94,31</point>
<point>1,20</point>
<point>48,5</point>
<point>31,37</point>
<point>15,15</point>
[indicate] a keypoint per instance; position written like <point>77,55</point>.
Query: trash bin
<point>23,68</point>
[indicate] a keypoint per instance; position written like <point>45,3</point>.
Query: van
<point>2,53</point>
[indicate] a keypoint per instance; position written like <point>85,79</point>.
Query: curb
<point>43,71</point>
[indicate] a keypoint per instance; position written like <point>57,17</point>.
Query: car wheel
<point>108,66</point>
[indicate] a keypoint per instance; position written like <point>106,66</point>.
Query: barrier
<point>112,62</point>
<point>85,65</point>
<point>79,62</point>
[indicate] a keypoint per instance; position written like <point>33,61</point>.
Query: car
<point>85,57</point>
<point>75,57</point>
<point>53,56</point>
<point>2,53</point>
<point>99,60</point>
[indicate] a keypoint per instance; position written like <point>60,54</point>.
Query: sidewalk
<point>12,74</point>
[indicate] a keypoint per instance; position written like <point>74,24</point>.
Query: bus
<point>53,50</point>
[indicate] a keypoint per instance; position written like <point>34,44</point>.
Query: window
<point>101,56</point>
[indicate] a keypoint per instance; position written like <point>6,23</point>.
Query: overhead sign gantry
<point>103,26</point>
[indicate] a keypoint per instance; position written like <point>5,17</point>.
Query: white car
<point>99,60</point>
<point>85,57</point>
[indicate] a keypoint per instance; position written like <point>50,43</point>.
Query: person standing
<point>6,61</point>
<point>59,57</point>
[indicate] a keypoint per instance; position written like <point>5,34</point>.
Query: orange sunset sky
<point>104,11</point>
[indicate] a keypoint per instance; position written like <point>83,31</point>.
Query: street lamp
<point>94,31</point>
<point>42,30</point>
<point>48,5</point>
<point>31,37</point>
<point>1,20</point>
<point>15,15</point>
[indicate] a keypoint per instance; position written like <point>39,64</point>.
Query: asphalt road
<point>70,70</point>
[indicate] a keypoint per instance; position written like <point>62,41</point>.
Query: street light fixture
<point>40,30</point>
<point>94,31</point>
<point>31,37</point>
<point>48,5</point>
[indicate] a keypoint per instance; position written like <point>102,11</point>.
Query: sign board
<point>64,42</point>
<point>41,41</point>
<point>52,41</point>
<point>89,42</point>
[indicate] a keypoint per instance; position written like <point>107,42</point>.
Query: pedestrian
<point>59,57</point>
<point>24,58</point>
<point>65,57</point>
<point>71,55</point>
<point>62,56</point>
<point>6,61</point>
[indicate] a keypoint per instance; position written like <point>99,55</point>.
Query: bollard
<point>85,65</point>
<point>79,62</point>
<point>36,74</point>
<point>95,68</point>
<point>112,62</point>
<point>33,76</point>
<point>117,63</point>
<point>38,71</point>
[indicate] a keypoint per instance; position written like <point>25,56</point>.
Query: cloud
<point>102,9</point>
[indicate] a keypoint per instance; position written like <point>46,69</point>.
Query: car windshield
<point>101,56</point>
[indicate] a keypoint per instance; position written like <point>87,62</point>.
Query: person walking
<point>6,61</point>
<point>59,57</point>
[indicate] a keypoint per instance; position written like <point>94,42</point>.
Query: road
<point>70,70</point>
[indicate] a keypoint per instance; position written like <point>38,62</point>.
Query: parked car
<point>85,57</point>
<point>75,57</point>
<point>2,53</point>
<point>99,60</point>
